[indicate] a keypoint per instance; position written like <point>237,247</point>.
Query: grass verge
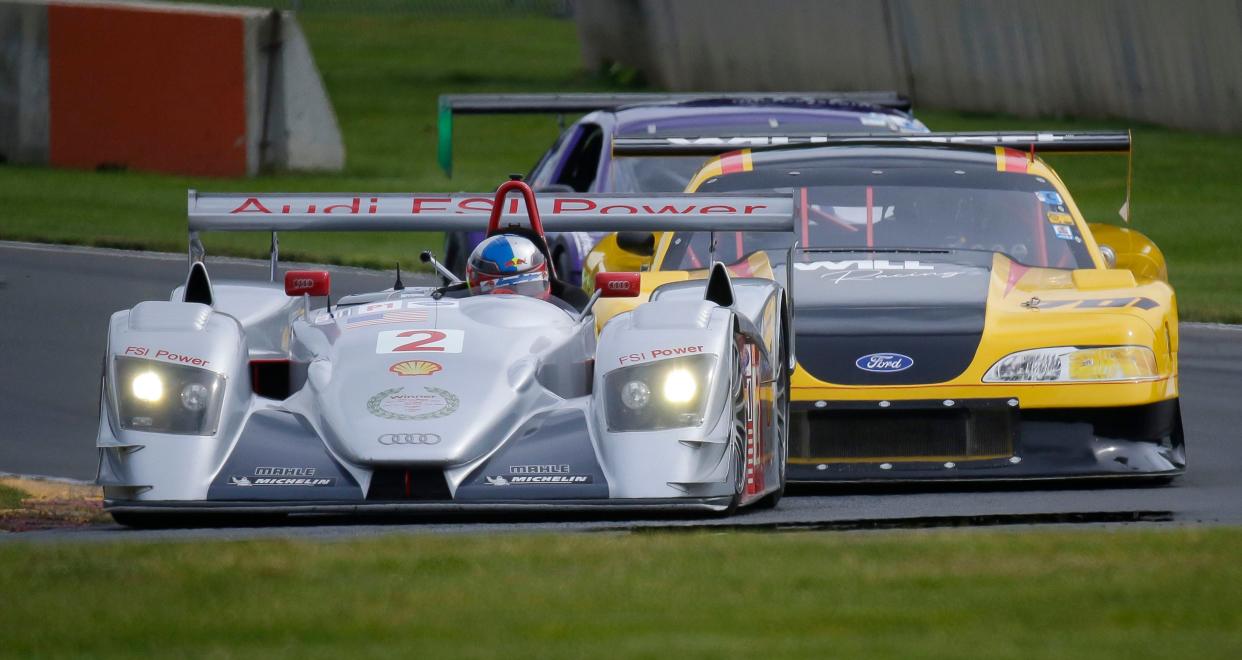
<point>1102,594</point>
<point>385,70</point>
<point>33,504</point>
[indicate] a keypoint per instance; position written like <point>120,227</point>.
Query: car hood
<point>921,317</point>
<point>891,318</point>
<point>443,385</point>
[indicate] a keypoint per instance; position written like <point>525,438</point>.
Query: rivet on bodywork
<point>950,465</point>
<point>948,402</point>
<point>820,404</point>
<point>821,466</point>
<point>1013,403</point>
<point>885,404</point>
<point>886,466</point>
<point>1015,459</point>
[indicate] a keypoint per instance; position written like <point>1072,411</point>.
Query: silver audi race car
<point>252,397</point>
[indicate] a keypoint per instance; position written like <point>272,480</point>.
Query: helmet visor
<point>526,284</point>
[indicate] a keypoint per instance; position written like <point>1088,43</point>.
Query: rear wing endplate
<point>1034,141</point>
<point>478,104</point>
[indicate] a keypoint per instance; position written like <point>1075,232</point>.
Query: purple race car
<point>581,158</point>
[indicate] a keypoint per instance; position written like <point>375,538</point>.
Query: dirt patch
<point>33,504</point>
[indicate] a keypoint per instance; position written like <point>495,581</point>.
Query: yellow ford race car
<point>955,316</point>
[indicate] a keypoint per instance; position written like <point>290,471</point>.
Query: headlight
<point>1072,364</point>
<point>167,398</point>
<point>667,394</point>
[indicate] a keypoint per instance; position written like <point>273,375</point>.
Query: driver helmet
<point>508,264</point>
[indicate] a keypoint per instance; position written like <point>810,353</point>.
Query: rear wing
<point>277,212</point>
<point>1039,141</point>
<point>480,104</point>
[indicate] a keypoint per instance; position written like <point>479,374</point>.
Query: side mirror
<point>1109,254</point>
<point>641,243</point>
<point>618,285</point>
<point>308,283</point>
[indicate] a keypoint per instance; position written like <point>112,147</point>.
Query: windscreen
<point>941,208</point>
<point>654,173</point>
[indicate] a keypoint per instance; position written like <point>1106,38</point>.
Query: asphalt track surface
<point>57,302</point>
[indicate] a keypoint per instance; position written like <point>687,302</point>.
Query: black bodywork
<point>982,439</point>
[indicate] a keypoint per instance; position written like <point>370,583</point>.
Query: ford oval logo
<point>884,363</point>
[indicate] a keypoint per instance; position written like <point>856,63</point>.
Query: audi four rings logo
<point>303,283</point>
<point>619,285</point>
<point>409,439</point>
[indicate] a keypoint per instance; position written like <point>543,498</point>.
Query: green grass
<point>1100,594</point>
<point>384,71</point>
<point>10,498</point>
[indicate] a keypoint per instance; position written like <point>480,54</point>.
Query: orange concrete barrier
<point>169,88</point>
<point>149,90</point>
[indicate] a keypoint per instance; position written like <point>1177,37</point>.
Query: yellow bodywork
<point>1027,308</point>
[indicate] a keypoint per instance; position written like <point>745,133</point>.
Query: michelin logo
<point>538,479</point>
<point>247,481</point>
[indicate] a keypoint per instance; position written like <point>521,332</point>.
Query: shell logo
<point>415,368</point>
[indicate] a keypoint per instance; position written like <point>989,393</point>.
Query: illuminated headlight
<point>666,394</point>
<point>167,398</point>
<point>1072,364</point>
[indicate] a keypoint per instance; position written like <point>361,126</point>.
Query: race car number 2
<point>419,341</point>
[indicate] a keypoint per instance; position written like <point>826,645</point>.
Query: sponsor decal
<point>438,205</point>
<point>516,261</point>
<point>538,479</point>
<point>1092,303</point>
<point>754,477</point>
<point>1060,218</point>
<point>432,303</point>
<point>245,481</point>
<point>1064,233</point>
<point>864,264</point>
<point>540,469</point>
<point>884,363</point>
<point>419,341</point>
<point>161,354</point>
<point>1049,197</point>
<point>284,472</point>
<point>394,403</point>
<point>389,439</point>
<point>852,270</point>
<point>415,368</point>
<point>657,353</point>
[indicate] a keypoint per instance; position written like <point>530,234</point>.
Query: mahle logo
<point>884,363</point>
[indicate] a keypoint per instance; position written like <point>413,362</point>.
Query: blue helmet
<point>508,263</point>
